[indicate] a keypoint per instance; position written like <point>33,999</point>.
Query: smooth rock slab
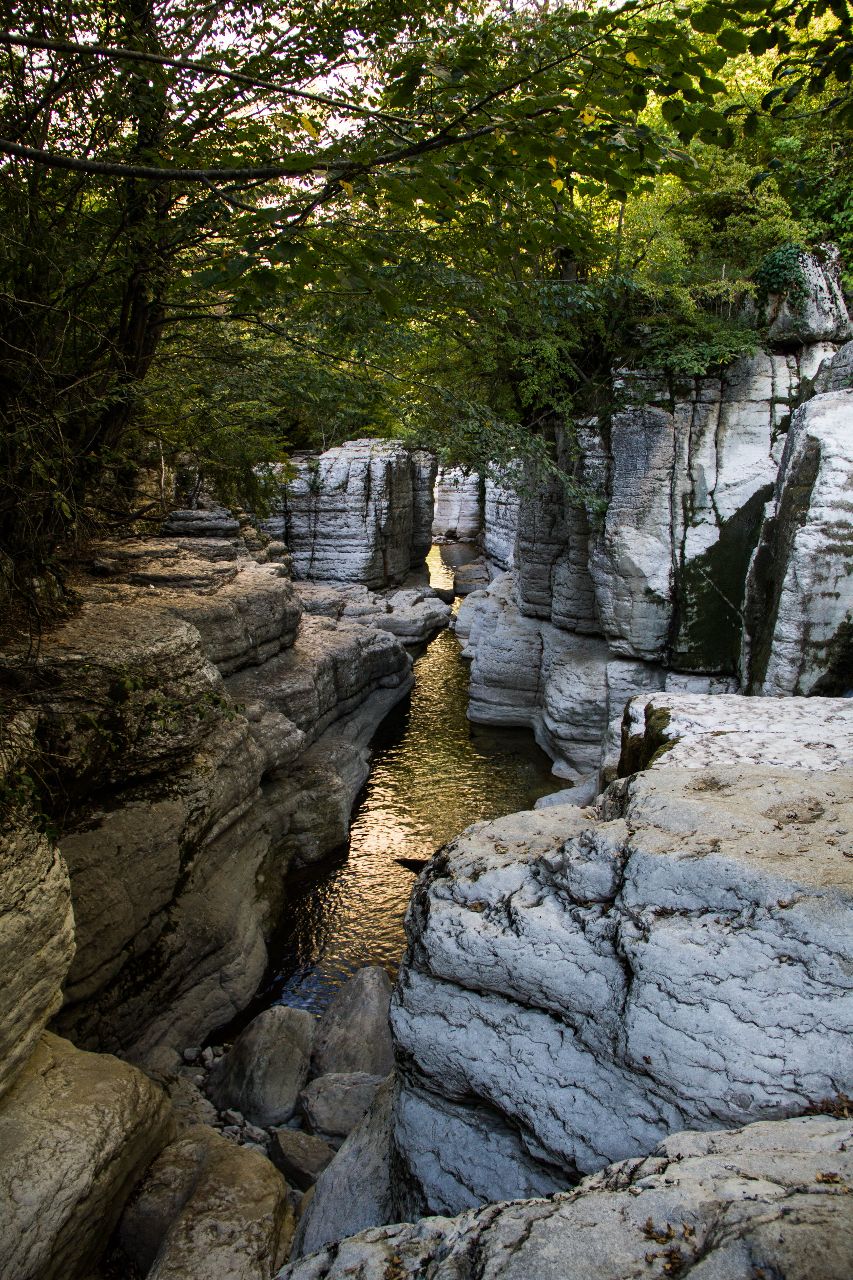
<point>334,1104</point>
<point>353,1033</point>
<point>208,1210</point>
<point>77,1131</point>
<point>766,1200</point>
<point>262,1074</point>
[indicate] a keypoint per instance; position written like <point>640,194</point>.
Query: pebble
<point>232,1131</point>
<point>207,1056</point>
<point>192,1055</point>
<point>233,1117</point>
<point>256,1135</point>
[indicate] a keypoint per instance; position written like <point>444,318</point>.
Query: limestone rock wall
<point>799,598</point>
<point>580,983</point>
<point>458,506</point>
<point>361,512</point>
<point>714,553</point>
<point>204,737</point>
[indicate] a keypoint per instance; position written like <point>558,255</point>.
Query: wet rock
<point>799,605</point>
<point>208,1210</point>
<point>301,1157</point>
<point>458,516</point>
<point>333,1104</point>
<point>264,1071</point>
<point>354,1191</point>
<point>767,1199</point>
<point>77,1131</point>
<point>36,940</point>
<point>474,576</point>
<point>353,1033</point>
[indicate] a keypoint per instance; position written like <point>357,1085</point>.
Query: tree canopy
<point>231,230</point>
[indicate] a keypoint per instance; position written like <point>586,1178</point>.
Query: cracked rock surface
<point>770,1199</point>
<point>579,986</point>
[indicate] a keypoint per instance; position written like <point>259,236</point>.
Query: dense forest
<point>236,230</point>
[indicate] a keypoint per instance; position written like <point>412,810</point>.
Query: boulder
<point>334,1104</point>
<point>262,1074</point>
<point>301,1157</point>
<point>458,515</point>
<point>765,1200</point>
<point>77,1132</point>
<point>36,941</point>
<point>579,987</point>
<point>799,605</point>
<point>354,1191</point>
<point>208,1210</point>
<point>353,1033</point>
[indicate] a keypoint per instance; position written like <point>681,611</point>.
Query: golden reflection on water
<point>433,774</point>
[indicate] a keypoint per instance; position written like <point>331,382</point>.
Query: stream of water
<point>433,773</point>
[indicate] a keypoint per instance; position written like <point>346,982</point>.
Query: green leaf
<point>708,20</point>
<point>733,41</point>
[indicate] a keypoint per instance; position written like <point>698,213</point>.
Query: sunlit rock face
<point>580,983</point>
<point>357,513</point>
<point>821,315</point>
<point>768,1199</point>
<point>458,509</point>
<point>799,600</point>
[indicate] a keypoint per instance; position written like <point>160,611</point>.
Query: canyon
<point>620,1035</point>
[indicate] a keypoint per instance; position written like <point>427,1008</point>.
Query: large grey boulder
<point>354,1191</point>
<point>77,1132</point>
<point>458,512</point>
<point>36,941</point>
<point>581,987</point>
<point>799,606</point>
<point>333,1104</point>
<point>208,1210</point>
<point>765,1200</point>
<point>353,1033</point>
<point>264,1071</point>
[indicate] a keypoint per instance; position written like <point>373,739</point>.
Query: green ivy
<point>781,273</point>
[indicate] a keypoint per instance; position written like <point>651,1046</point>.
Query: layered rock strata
<point>361,512</point>
<point>580,983</point>
<point>765,1200</point>
<point>663,591</point>
<point>458,506</point>
<point>205,736</point>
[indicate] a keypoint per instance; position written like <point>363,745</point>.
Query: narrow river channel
<point>432,775</point>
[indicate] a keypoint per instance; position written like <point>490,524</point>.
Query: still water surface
<point>432,774</point>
